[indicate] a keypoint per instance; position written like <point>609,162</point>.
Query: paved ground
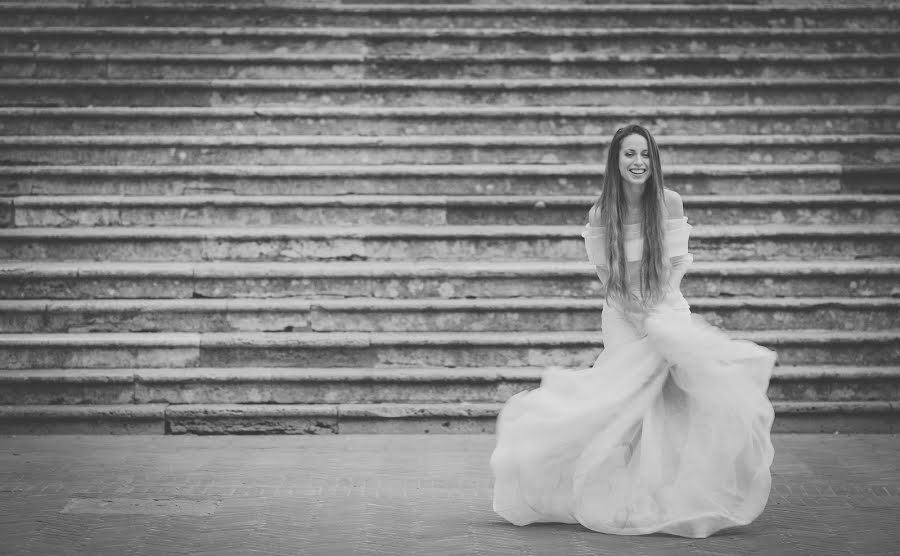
<point>392,495</point>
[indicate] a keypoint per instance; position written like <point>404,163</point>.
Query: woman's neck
<point>633,200</point>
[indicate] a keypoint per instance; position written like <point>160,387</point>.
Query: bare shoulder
<point>595,216</point>
<point>674,205</point>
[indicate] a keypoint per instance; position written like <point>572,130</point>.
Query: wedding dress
<point>668,431</point>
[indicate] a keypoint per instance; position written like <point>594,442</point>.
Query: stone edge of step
<point>399,375</point>
<point>552,59</point>
<point>447,111</point>
<point>488,410</point>
<point>419,201</point>
<point>363,340</point>
<point>396,269</point>
<point>438,170</point>
<point>497,9</point>
<point>437,232</point>
<point>369,304</point>
<point>413,141</point>
<point>454,84</point>
<point>136,32</point>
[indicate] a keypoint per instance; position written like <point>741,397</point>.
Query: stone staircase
<point>303,218</point>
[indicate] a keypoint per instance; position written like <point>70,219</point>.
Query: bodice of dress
<point>676,231</point>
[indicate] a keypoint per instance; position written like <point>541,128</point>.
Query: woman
<point>669,430</point>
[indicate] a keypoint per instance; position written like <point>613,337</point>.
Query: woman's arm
<point>680,263</point>
<point>680,266</point>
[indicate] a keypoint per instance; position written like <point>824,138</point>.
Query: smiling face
<point>634,160</point>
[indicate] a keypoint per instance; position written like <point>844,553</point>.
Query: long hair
<point>612,204</point>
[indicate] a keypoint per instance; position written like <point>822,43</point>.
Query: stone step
<point>362,66</point>
<point>424,314</point>
<point>806,15</point>
<point>388,386</point>
<point>437,179</point>
<point>236,150</point>
<point>437,41</point>
<point>438,279</point>
<point>425,210</point>
<point>444,92</point>
<point>448,120</point>
<point>398,349</point>
<point>426,243</point>
<point>388,418</point>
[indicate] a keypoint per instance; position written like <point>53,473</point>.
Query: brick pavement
<point>832,494</point>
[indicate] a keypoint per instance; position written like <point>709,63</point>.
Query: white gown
<point>669,431</point>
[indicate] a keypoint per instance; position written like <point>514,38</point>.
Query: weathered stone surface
<point>92,92</point>
<point>236,419</point>
<point>194,126</point>
<point>98,350</point>
<point>514,179</point>
<point>82,419</point>
<point>365,210</point>
<point>397,280</point>
<point>365,385</point>
<point>830,383</point>
<point>446,120</point>
<point>527,66</point>
<point>460,418</point>
<point>172,315</point>
<point>443,385</point>
<point>486,15</point>
<point>460,149</point>
<point>428,42</point>
<point>324,385</point>
<point>397,349</point>
<point>830,417</point>
<point>67,386</point>
<point>496,243</point>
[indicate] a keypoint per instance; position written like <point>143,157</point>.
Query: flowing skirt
<point>669,431</point>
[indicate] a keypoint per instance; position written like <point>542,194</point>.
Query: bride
<point>669,430</point>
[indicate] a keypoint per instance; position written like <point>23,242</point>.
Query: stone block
<point>82,419</point>
<point>417,418</point>
<point>830,417</point>
<point>256,419</point>
<point>67,387</point>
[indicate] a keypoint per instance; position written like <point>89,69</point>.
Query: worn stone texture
<point>268,217</point>
<point>391,494</point>
<point>536,92</point>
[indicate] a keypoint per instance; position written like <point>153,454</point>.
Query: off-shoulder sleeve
<point>678,231</point>
<point>595,244</point>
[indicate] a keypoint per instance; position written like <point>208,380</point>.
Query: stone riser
<point>200,93</point>
<point>561,180</point>
<point>886,151</point>
<point>274,246</point>
<point>445,44</point>
<point>363,386</point>
<point>406,349</point>
<point>791,417</point>
<point>306,316</point>
<point>460,16</point>
<point>459,122</point>
<point>26,67</point>
<point>111,281</point>
<point>217,211</point>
